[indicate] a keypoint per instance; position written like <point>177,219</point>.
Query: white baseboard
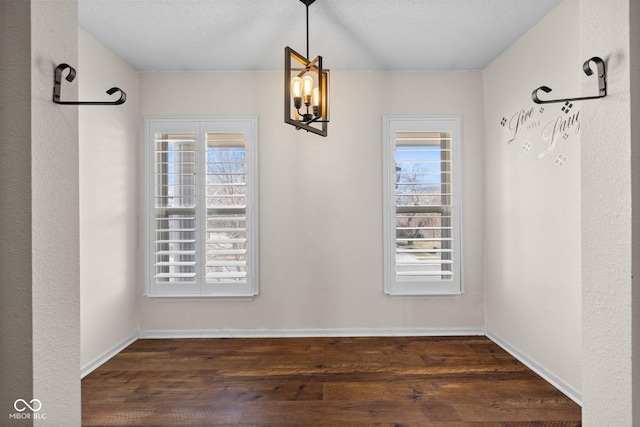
<point>563,387</point>
<point>284,333</point>
<point>104,357</point>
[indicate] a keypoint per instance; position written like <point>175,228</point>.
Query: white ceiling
<point>221,35</point>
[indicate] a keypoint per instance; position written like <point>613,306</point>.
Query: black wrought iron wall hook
<point>57,82</point>
<point>586,67</point>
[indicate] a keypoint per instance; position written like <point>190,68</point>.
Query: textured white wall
<point>39,193</point>
<point>321,201</point>
<point>634,49</point>
<point>532,220</point>
<point>109,190</point>
<point>16,370</point>
<point>55,225</point>
<point>610,242</point>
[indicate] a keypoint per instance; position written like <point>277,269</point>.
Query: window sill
<point>442,295</point>
<point>199,298</point>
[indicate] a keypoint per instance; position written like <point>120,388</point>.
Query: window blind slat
<point>423,228</point>
<point>424,273</point>
<point>427,262</point>
<point>177,252</point>
<point>226,275</point>
<point>174,275</point>
<point>423,239</point>
<point>225,263</point>
<point>422,251</point>
<point>226,240</point>
<point>226,252</point>
<point>163,264</point>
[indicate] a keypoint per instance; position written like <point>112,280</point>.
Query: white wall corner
<point>530,363</point>
<point>106,356</point>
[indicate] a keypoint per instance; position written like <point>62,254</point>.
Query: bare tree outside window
<point>226,193</point>
<point>422,198</point>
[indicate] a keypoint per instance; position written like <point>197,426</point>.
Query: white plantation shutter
<point>226,208</point>
<point>202,204</point>
<point>174,237</point>
<point>422,210</point>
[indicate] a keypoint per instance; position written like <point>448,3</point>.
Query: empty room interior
<point>461,179</point>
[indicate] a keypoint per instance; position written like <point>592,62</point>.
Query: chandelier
<point>306,89</point>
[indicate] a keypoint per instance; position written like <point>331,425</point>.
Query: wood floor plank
<point>477,388</point>
<point>204,387</point>
<point>369,390</point>
<point>348,413</point>
<point>150,414</point>
<point>376,381</point>
<point>550,409</point>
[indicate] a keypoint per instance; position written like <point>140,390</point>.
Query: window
<point>422,226</point>
<point>202,204</point>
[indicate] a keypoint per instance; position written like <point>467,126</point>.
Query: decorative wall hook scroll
<point>57,82</point>
<point>602,83</point>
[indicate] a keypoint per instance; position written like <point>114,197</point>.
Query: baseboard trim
<point>303,333</point>
<point>104,357</point>
<point>563,387</point>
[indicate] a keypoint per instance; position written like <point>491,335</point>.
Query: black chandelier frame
<point>314,119</point>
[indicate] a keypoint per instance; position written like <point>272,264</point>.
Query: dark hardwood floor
<point>396,381</point>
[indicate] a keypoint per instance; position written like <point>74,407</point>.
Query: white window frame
<point>395,285</point>
<point>200,290</point>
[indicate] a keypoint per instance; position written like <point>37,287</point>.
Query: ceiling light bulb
<point>315,101</point>
<point>307,88</point>
<point>296,91</point>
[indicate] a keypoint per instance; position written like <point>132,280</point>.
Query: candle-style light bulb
<point>315,101</point>
<point>307,88</point>
<point>296,92</point>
